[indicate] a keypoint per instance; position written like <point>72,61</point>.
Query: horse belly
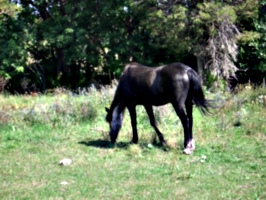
<point>152,99</point>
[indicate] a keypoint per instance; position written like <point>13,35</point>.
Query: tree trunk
<point>61,68</point>
<point>200,66</point>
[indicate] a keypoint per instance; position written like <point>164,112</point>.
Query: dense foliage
<point>53,43</point>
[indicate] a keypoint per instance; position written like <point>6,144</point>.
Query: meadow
<point>37,131</point>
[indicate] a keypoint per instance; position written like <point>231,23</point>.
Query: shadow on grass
<point>104,144</point>
<point>100,143</point>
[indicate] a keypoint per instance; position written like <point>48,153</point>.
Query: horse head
<point>115,119</point>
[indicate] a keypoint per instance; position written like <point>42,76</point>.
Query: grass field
<point>37,132</point>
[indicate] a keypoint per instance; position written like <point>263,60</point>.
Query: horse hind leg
<point>154,124</point>
<point>190,146</point>
<point>189,143</point>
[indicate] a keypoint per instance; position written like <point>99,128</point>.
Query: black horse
<point>175,83</point>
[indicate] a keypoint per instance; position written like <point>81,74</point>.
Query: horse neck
<point>118,108</point>
<point>116,103</point>
<point>118,113</point>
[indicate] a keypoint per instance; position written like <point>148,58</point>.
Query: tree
<point>165,26</point>
<point>251,20</point>
<point>61,45</point>
<point>205,29</point>
<point>13,55</point>
<point>261,28</point>
<point>214,36</point>
<point>8,9</point>
<point>69,43</point>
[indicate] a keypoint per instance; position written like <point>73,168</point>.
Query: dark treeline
<point>70,43</point>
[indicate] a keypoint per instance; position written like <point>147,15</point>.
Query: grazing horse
<point>174,83</point>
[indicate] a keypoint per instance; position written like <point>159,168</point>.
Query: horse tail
<point>196,92</point>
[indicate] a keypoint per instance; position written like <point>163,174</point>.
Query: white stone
<point>65,161</point>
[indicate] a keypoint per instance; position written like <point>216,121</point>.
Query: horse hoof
<point>188,151</point>
<point>192,145</point>
<point>165,146</point>
<point>113,141</point>
<point>164,143</point>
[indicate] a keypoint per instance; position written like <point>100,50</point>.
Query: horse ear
<point>107,110</point>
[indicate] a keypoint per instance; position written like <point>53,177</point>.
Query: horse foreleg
<point>154,124</point>
<point>133,117</point>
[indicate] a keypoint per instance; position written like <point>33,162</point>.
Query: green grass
<point>37,132</point>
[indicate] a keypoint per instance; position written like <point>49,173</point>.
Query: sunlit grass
<point>37,132</point>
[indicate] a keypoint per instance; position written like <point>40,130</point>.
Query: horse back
<point>152,84</point>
